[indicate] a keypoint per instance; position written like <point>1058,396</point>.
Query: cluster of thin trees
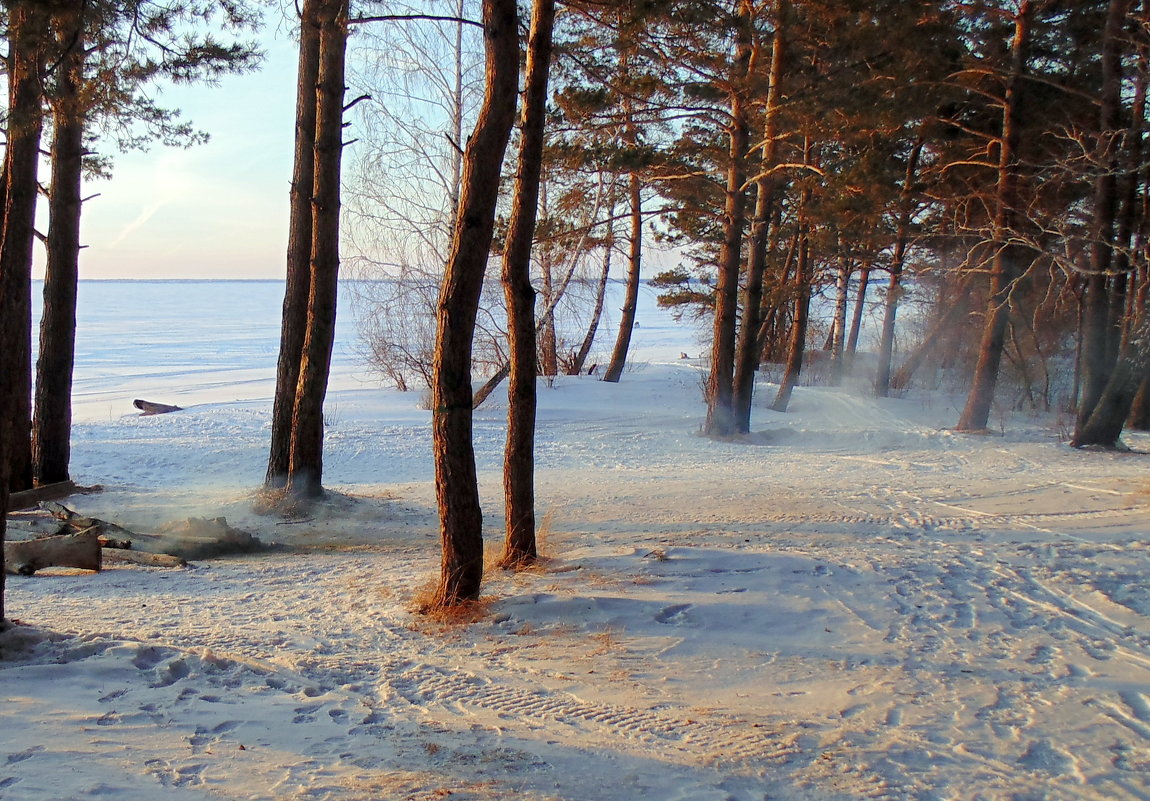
<point>989,154</point>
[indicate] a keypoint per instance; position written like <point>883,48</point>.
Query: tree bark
<point>1007,257</point>
<point>81,550</point>
<point>856,317</point>
<point>519,455</point>
<point>294,323</point>
<point>749,352</point>
<point>1097,355</point>
<point>798,343</point>
<point>27,34</point>
<point>897,263</point>
<point>631,300</point>
<point>548,338</point>
<point>838,329</point>
<point>456,484</point>
<point>1104,426</point>
<point>720,421</point>
<point>305,472</point>
<point>596,313</point>
<point>52,420</point>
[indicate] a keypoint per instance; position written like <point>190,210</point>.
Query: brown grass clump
<point>426,604</point>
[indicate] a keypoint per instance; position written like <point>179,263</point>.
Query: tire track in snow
<point>737,742</point>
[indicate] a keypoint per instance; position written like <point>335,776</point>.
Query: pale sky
<point>218,210</point>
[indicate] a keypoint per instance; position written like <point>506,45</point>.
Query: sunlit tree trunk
<point>838,329</point>
<point>294,324</point>
<point>749,351</point>
<point>456,484</point>
<point>856,319</point>
<point>720,420</point>
<point>305,472</point>
<point>519,456</point>
<point>1007,260</point>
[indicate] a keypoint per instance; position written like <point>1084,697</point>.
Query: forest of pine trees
<point>983,159</point>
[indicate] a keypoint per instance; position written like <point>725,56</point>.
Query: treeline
<point>990,152</point>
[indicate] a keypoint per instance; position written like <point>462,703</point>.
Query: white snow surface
<point>852,603</point>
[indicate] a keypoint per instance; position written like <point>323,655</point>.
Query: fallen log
<point>124,556</point>
<point>147,407</point>
<point>111,532</point>
<point>80,550</point>
<point>29,499</point>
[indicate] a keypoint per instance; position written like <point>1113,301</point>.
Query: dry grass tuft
<point>425,602</point>
<point>608,640</point>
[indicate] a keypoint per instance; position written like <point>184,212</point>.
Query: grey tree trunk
<point>798,343</point>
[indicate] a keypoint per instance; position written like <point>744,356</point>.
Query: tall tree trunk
<point>798,345</point>
<point>897,263</point>
<point>1104,426</point>
<point>749,352</point>
<point>1007,257</point>
<point>548,339</point>
<point>296,290</point>
<point>856,317</point>
<point>596,313</point>
<point>519,455</point>
<point>773,327</point>
<point>1097,355</point>
<point>838,330</point>
<point>456,485</point>
<point>52,421</point>
<point>305,472</point>
<point>631,299</point>
<point>28,31</point>
<point>720,420</point>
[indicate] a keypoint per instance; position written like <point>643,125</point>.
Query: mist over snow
<point>853,603</point>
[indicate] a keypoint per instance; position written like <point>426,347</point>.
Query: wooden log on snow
<point>81,550</point>
<point>111,532</point>
<point>142,558</point>
<point>29,499</point>
<point>147,407</point>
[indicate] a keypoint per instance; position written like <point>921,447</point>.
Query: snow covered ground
<point>857,603</point>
